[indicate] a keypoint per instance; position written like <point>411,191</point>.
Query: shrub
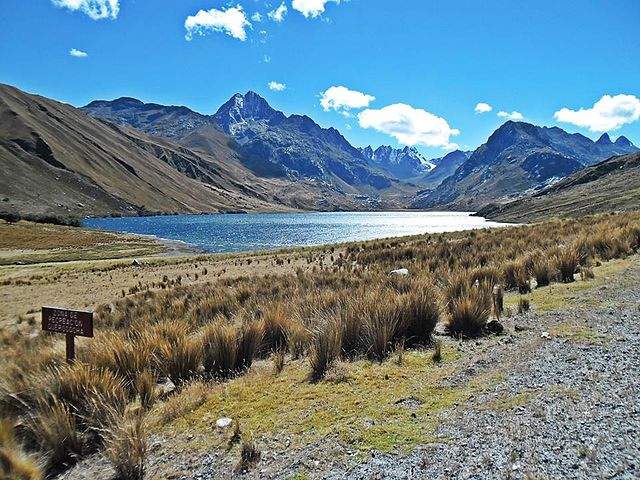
<point>469,313</point>
<point>566,262</point>
<point>126,446</point>
<point>325,346</point>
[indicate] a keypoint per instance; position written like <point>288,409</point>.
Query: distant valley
<point>126,157</point>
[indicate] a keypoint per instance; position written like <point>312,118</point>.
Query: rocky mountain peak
<point>623,141</point>
<point>241,108</point>
<point>604,139</point>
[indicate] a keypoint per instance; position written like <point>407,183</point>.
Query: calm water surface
<point>268,231</point>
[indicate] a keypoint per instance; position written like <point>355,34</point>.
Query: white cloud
<point>483,107</point>
<point>608,113</point>
<point>515,116</point>
<point>256,17</point>
<point>74,52</point>
<point>95,9</point>
<point>342,99</point>
<point>266,59</point>
<point>277,15</point>
<point>311,8</point>
<point>277,86</point>
<point>409,126</point>
<point>231,21</point>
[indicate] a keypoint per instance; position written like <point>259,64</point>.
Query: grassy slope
<point>612,185</point>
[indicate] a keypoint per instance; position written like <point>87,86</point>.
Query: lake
<point>268,231</point>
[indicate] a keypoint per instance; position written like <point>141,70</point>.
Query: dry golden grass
<point>15,464</point>
<point>126,445</point>
<point>346,310</point>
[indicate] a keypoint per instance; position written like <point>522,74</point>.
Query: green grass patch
<point>387,407</point>
<point>579,333</point>
<point>561,295</point>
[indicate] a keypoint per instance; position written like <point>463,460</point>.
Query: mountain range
<point>402,163</point>
<point>518,159</point>
<point>126,157</point>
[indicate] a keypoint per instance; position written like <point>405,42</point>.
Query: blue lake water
<point>268,231</point>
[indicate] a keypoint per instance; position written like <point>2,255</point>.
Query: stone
<point>224,422</point>
<point>400,272</point>
<point>166,387</point>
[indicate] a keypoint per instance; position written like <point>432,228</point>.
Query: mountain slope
<point>611,185</point>
<point>295,146</point>
<point>444,167</point>
<point>518,158</point>
<point>158,120</point>
<point>57,160</point>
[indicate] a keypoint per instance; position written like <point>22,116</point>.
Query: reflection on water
<point>267,231</point>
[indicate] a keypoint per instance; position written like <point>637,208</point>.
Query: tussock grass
<point>566,261</point>
<point>325,346</point>
<point>126,445</point>
<point>249,456</point>
<point>469,313</point>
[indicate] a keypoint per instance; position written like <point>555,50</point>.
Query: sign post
<point>70,322</point>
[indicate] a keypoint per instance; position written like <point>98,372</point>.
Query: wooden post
<point>71,348</point>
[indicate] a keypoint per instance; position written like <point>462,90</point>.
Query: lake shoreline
<point>258,232</point>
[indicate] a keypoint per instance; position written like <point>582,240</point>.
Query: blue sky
<point>428,64</point>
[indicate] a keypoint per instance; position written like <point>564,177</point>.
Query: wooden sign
<point>69,322</point>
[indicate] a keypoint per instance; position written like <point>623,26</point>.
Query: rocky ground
<point>569,405</point>
<point>563,402</point>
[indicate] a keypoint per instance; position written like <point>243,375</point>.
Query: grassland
<point>28,242</point>
<point>355,346</point>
